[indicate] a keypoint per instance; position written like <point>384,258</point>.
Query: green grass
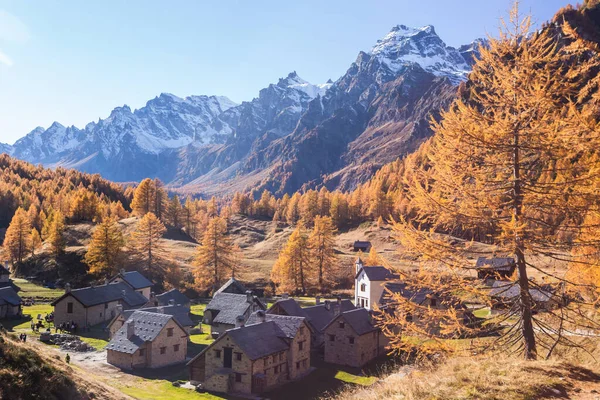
<point>197,313</point>
<point>355,379</point>
<point>482,313</point>
<point>147,389</point>
<point>36,292</point>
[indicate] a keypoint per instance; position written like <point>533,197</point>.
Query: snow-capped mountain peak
<point>404,46</point>
<point>295,82</point>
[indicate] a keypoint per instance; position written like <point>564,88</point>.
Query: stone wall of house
<point>339,348</point>
<point>217,329</point>
<point>118,359</point>
<point>101,313</point>
<point>170,356</point>
<point>226,382</point>
<point>299,359</point>
<point>116,325</point>
<point>274,367</point>
<point>78,315</point>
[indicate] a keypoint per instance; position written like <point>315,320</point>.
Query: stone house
<point>10,303</point>
<point>495,268</point>
<point>369,284</point>
<point>135,280</point>
<point>224,308</point>
<point>362,246</point>
<point>148,340</point>
<point>255,358</point>
<point>180,313</point>
<point>505,294</point>
<point>172,297</point>
<point>95,304</point>
<point>352,339</point>
<point>232,286</point>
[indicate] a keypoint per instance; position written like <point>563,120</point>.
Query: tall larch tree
<point>291,271</point>
<point>56,236</point>
<point>145,240</point>
<point>105,250</point>
<point>35,240</point>
<point>322,253</point>
<point>144,198</point>
<point>516,156</point>
<point>17,238</point>
<point>216,258</point>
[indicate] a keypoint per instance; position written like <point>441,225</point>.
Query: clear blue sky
<point>74,61</point>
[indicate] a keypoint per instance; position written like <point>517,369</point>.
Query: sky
<point>74,61</point>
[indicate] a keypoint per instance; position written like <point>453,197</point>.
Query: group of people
<point>35,326</point>
<point>70,327</point>
<point>23,337</point>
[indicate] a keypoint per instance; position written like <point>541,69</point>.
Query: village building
<point>361,245</point>
<point>179,312</point>
<point>95,304</point>
<point>224,308</point>
<point>504,294</point>
<point>369,284</point>
<point>172,297</point>
<point>255,358</point>
<point>4,276</point>
<point>352,339</point>
<point>135,280</point>
<point>495,267</point>
<point>232,286</point>
<point>10,303</point>
<point>148,340</point>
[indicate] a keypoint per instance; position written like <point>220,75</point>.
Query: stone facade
<point>344,347</point>
<point>9,311</point>
<point>83,316</point>
<point>146,292</point>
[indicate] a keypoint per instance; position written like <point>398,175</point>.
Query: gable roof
<point>362,243</point>
<point>232,286</point>
<point>230,305</point>
<point>511,290</point>
<point>135,279</point>
<point>259,340</point>
<point>417,295</point>
<point>179,312</point>
<point>495,263</point>
<point>147,326</point>
<point>91,296</point>
<point>290,307</point>
<point>9,296</point>
<point>319,316</point>
<point>173,294</point>
<point>377,273</point>
<point>359,320</point>
<point>288,324</point>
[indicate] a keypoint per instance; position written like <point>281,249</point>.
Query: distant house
<point>172,297</point>
<point>10,303</point>
<point>495,268</point>
<point>232,286</point>
<point>363,246</point>
<point>148,340</point>
<point>369,284</point>
<point>224,308</point>
<point>505,294</point>
<point>254,358</point>
<point>352,339</point>
<point>135,280</point>
<point>180,313</point>
<point>95,304</point>
<point>4,275</point>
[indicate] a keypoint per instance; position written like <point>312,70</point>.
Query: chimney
<point>249,296</point>
<point>262,317</point>
<point>239,321</point>
<point>67,288</point>
<point>106,281</point>
<point>359,265</point>
<point>327,305</point>
<point>123,292</point>
<point>318,300</point>
<point>119,308</point>
<point>171,302</point>
<point>285,296</point>
<point>339,300</point>
<point>160,310</point>
<point>92,285</point>
<point>130,328</point>
<point>122,271</point>
<point>337,309</point>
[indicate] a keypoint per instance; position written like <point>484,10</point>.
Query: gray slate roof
<point>320,317</point>
<point>415,295</point>
<point>378,273</point>
<point>259,340</point>
<point>173,294</point>
<point>9,296</point>
<point>359,319</point>
<point>511,290</point>
<point>91,296</point>
<point>135,279</point>
<point>147,327</point>
<point>496,263</point>
<point>230,306</point>
<point>180,313</point>
<point>289,325</point>
<point>291,307</point>
<point>362,243</point>
<point>232,286</point>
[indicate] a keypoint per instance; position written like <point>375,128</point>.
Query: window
<point>301,345</point>
<point>298,365</point>
<point>238,356</point>
<point>217,353</point>
<point>363,287</point>
<point>163,350</point>
<point>105,306</point>
<point>280,356</point>
<point>142,352</point>
<point>175,347</point>
<point>433,302</point>
<point>274,357</point>
<point>409,317</point>
<point>69,308</point>
<point>276,369</point>
<point>342,324</point>
<point>367,303</point>
<point>169,332</point>
<point>100,315</point>
<point>332,338</point>
<point>238,377</point>
<point>351,339</point>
